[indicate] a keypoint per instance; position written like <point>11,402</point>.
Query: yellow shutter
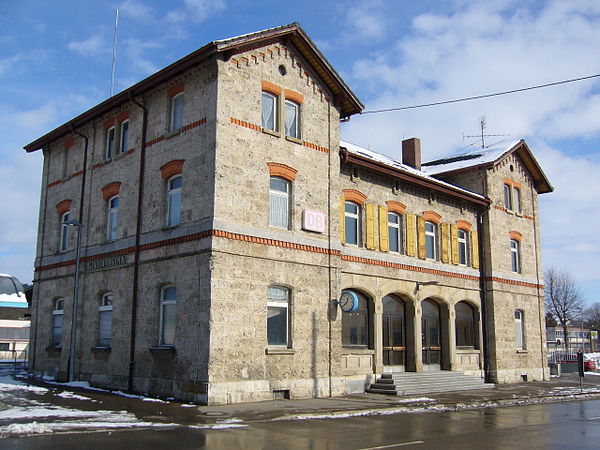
<point>343,220</point>
<point>475,249</point>
<point>384,239</point>
<point>421,240</point>
<point>370,211</point>
<point>454,232</point>
<point>445,257</point>
<point>410,234</point>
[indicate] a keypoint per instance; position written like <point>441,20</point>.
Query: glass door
<point>394,347</point>
<point>430,333</point>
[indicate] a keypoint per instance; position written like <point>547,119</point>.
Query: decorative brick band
<point>151,142</point>
<point>502,208</point>
<point>110,190</point>
<point>54,183</point>
<point>352,195</point>
<point>63,207</point>
<point>315,147</point>
<point>245,124</point>
<point>432,216</point>
<point>273,242</point>
<point>192,125</point>
<point>515,283</point>
<point>282,170</point>
<point>394,206</point>
<point>463,225</point>
<point>171,168</point>
<point>375,262</point>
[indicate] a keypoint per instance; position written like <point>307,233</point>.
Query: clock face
<point>348,301</point>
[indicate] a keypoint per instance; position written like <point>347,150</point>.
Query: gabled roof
<point>291,33</point>
<point>376,161</point>
<point>469,160</point>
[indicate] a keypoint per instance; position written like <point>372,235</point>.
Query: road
<point>562,426</point>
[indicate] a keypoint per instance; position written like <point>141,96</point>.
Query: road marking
<point>593,418</point>
<point>401,444</point>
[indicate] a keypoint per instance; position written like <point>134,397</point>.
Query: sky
<point>55,63</point>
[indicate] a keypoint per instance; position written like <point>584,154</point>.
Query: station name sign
<point>106,263</point>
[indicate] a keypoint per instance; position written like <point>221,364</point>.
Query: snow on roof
<point>254,33</point>
<point>468,158</point>
<point>389,161</point>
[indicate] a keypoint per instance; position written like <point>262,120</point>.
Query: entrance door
<point>394,347</point>
<point>430,332</point>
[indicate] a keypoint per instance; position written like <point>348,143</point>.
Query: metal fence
<point>13,356</point>
<point>561,357</point>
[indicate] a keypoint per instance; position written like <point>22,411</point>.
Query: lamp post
<point>74,223</point>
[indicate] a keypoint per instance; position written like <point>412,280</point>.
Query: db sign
<point>313,221</point>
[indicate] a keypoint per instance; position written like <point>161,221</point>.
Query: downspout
<point>483,283</point>
<point>329,269</point>
<point>136,257</point>
<point>537,275</point>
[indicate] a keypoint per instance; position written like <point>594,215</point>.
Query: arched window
<point>356,325</point>
<point>279,202</point>
<point>352,223</point>
<point>292,119</point>
<point>431,231</point>
<point>168,309</point>
<point>395,232</point>
<point>112,218</point>
<point>462,240</point>
<point>466,331</point>
<point>278,333</point>
<point>515,256</point>
<point>105,320</point>
<point>176,119</point>
<point>269,111</point>
<point>174,200</point>
<point>520,329</point>
<point>57,322</point>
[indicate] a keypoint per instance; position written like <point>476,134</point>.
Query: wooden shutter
<point>384,239</point>
<point>370,212</point>
<point>474,249</point>
<point>421,240</point>
<point>454,233</point>
<point>410,234</point>
<point>444,229</point>
<point>343,220</point>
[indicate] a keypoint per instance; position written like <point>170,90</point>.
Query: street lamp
<point>74,223</point>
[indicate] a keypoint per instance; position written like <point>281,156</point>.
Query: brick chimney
<point>411,152</point>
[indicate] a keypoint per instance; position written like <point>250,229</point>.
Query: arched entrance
<point>431,335</point>
<point>394,332</point>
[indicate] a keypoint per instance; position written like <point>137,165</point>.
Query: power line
<point>477,97</point>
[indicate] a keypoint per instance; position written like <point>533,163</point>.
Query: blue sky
<point>55,62</point>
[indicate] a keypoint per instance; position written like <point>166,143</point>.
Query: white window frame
<point>515,256</point>
<point>64,231</point>
<point>507,196</point>
<point>520,329</point>
<point>431,235</point>
<point>112,212</point>
<point>355,217</point>
<point>274,111</point>
<point>163,304</point>
<point>292,106</point>
<point>58,310</point>
<point>171,193</point>
<point>463,247</point>
<point>177,104</point>
<point>396,229</point>
<point>105,310</point>
<point>280,304</point>
<point>123,138</point>
<point>111,141</point>
<point>276,218</point>
<point>516,201</point>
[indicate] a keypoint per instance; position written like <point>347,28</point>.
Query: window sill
<point>293,139</point>
<point>357,349</point>
<point>522,352</point>
<point>170,134</point>
<point>279,351</point>
<point>53,349</point>
<point>100,349</point>
<point>163,349</point>
<point>271,132</point>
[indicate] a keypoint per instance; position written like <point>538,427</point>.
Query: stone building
<point>232,249</point>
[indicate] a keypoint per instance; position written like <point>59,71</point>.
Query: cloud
<point>366,20</point>
<point>15,64</point>
<point>135,50</point>
<point>196,11</point>
<point>137,11</point>
<point>94,45</point>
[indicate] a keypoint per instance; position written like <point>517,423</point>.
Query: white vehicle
<point>12,294</point>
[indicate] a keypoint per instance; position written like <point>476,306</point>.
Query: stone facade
<point>223,254</point>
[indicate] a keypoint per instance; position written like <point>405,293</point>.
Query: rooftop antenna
<point>482,135</point>
<point>114,54</point>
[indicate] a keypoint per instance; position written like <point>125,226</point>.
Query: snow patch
<point>67,394</point>
<point>10,384</point>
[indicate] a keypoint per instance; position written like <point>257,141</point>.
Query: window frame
<point>358,222</point>
<point>395,229</point>
<point>507,196</point>
<point>171,193</point>
<point>176,105</point>
<point>275,193</point>
<point>112,211</point>
<point>462,247</point>
<point>274,111</point>
<point>461,322</point>
<point>517,200</point>
<point>163,304</point>
<point>110,142</point>
<point>431,236</point>
<point>279,304</point>
<point>64,231</point>
<point>515,256</point>
<point>105,307</point>
<point>296,108</point>
<point>57,311</point>
<point>123,136</point>
<point>520,337</point>
<point>366,312</point>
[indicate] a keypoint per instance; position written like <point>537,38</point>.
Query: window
<point>466,333</point>
<point>292,115</point>
<point>176,121</point>
<point>269,111</point>
<point>174,201</point>
<point>520,329</point>
<point>112,218</point>
<point>110,142</point>
<point>279,203</point>
<point>355,325</point>
<point>395,232</point>
<point>124,141</point>
<point>352,223</point>
<point>517,199</point>
<point>507,197</point>
<point>462,247</point>
<point>431,240</point>
<point>64,231</point>
<point>278,299</point>
<point>168,303</point>
<point>515,256</point>
<point>105,320</point>
<point>57,322</point>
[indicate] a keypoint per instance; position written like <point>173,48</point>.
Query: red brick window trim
<point>282,170</point>
<point>516,184</point>
<point>124,115</point>
<point>352,195</point>
<point>464,225</point>
<point>110,123</point>
<point>270,87</point>
<point>111,190</point>
<point>432,216</point>
<point>171,168</point>
<point>63,207</point>
<point>515,235</point>
<point>293,96</point>
<point>70,143</point>
<point>507,181</point>
<point>177,89</point>
<point>394,206</point>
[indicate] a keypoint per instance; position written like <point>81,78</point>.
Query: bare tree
<point>564,299</point>
<point>592,316</point>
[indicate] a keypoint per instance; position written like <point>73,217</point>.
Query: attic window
<point>282,69</point>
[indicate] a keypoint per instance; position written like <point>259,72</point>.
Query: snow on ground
<point>9,384</point>
<point>223,424</point>
<point>67,394</point>
<point>86,385</point>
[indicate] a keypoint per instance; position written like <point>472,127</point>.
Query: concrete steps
<point>411,383</point>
